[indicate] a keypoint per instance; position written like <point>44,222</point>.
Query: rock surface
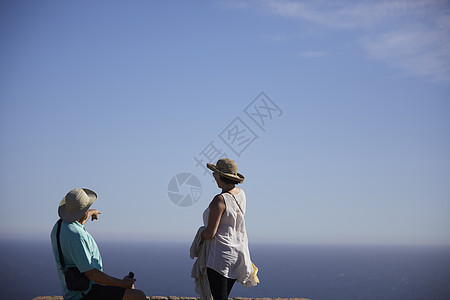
<point>177,298</point>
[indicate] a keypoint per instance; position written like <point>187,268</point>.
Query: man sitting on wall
<point>80,250</point>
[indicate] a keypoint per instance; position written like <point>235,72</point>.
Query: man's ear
<point>84,217</point>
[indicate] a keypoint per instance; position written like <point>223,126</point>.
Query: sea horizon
<point>384,272</point>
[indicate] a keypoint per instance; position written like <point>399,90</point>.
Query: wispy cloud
<point>412,35</point>
<point>421,52</point>
<point>349,14</point>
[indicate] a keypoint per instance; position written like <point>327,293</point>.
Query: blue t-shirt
<point>79,250</point>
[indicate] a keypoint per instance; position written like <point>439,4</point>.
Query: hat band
<point>229,173</point>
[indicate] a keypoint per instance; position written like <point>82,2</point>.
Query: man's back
<point>79,250</point>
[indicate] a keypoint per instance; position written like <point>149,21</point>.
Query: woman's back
<point>228,254</point>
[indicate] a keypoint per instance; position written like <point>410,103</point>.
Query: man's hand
<point>90,213</point>
<point>93,213</point>
<point>128,282</point>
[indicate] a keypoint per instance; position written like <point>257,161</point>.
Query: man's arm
<point>90,213</point>
<point>103,278</point>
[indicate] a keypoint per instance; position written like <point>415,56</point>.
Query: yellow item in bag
<point>254,274</point>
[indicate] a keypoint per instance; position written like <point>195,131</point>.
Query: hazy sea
<point>317,272</point>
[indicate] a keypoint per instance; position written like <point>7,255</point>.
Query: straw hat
<point>227,168</point>
<point>75,204</point>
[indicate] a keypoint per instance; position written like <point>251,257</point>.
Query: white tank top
<point>229,254</point>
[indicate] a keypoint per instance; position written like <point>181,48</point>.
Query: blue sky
<point>121,96</point>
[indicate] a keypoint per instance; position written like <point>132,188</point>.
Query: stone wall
<point>177,298</point>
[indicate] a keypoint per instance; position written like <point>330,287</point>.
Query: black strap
<point>58,232</point>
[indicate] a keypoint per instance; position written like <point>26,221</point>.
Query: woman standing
<point>229,257</point>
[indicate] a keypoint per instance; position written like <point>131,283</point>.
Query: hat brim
<point>70,217</point>
<point>238,178</point>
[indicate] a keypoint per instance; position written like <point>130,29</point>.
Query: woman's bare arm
<point>216,209</point>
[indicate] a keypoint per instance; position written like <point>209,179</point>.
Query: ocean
<point>316,272</point>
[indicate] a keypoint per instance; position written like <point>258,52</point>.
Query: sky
<point>336,112</point>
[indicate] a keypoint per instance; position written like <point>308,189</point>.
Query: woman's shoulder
<point>217,199</point>
<point>238,191</point>
<point>218,196</point>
